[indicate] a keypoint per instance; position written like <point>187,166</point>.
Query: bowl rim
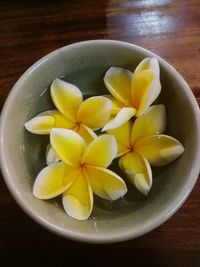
<point>123,234</point>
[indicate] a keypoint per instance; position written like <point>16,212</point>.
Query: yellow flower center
<point>82,166</point>
<point>77,125</point>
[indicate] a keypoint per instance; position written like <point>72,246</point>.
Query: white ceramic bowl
<point>22,154</point>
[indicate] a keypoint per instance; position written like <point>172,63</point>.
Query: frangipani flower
<point>132,93</point>
<point>73,113</point>
<point>81,171</point>
<point>142,143</point>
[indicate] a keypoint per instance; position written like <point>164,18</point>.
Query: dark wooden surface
<point>30,30</point>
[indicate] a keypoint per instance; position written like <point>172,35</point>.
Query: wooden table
<point>30,30</point>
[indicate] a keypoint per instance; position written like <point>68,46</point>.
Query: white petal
<point>123,116</point>
<point>40,124</point>
<point>51,156</point>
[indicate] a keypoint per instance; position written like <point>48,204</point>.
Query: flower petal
<point>60,120</point>
<point>51,156</point>
<point>123,116</point>
<point>45,121</point>
<point>122,135</point>
<point>121,150</point>
<point>105,183</point>
<point>156,86</point>
<point>140,86</point>
<point>154,66</point>
<point>145,85</point>
<point>153,121</point>
<point>54,180</point>
<point>40,124</point>
<point>87,133</point>
<point>118,82</point>
<point>68,145</point>
<point>116,105</point>
<point>137,170</point>
<point>95,112</point>
<point>159,149</point>
<point>78,199</point>
<point>143,65</point>
<point>66,97</point>
<point>101,151</point>
<point>148,63</point>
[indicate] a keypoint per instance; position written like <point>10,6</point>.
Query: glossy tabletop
<point>31,29</point>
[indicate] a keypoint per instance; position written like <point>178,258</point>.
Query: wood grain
<point>31,29</point>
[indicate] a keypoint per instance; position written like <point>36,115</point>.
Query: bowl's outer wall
<point>22,154</point>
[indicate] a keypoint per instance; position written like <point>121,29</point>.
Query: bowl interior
<point>84,64</point>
